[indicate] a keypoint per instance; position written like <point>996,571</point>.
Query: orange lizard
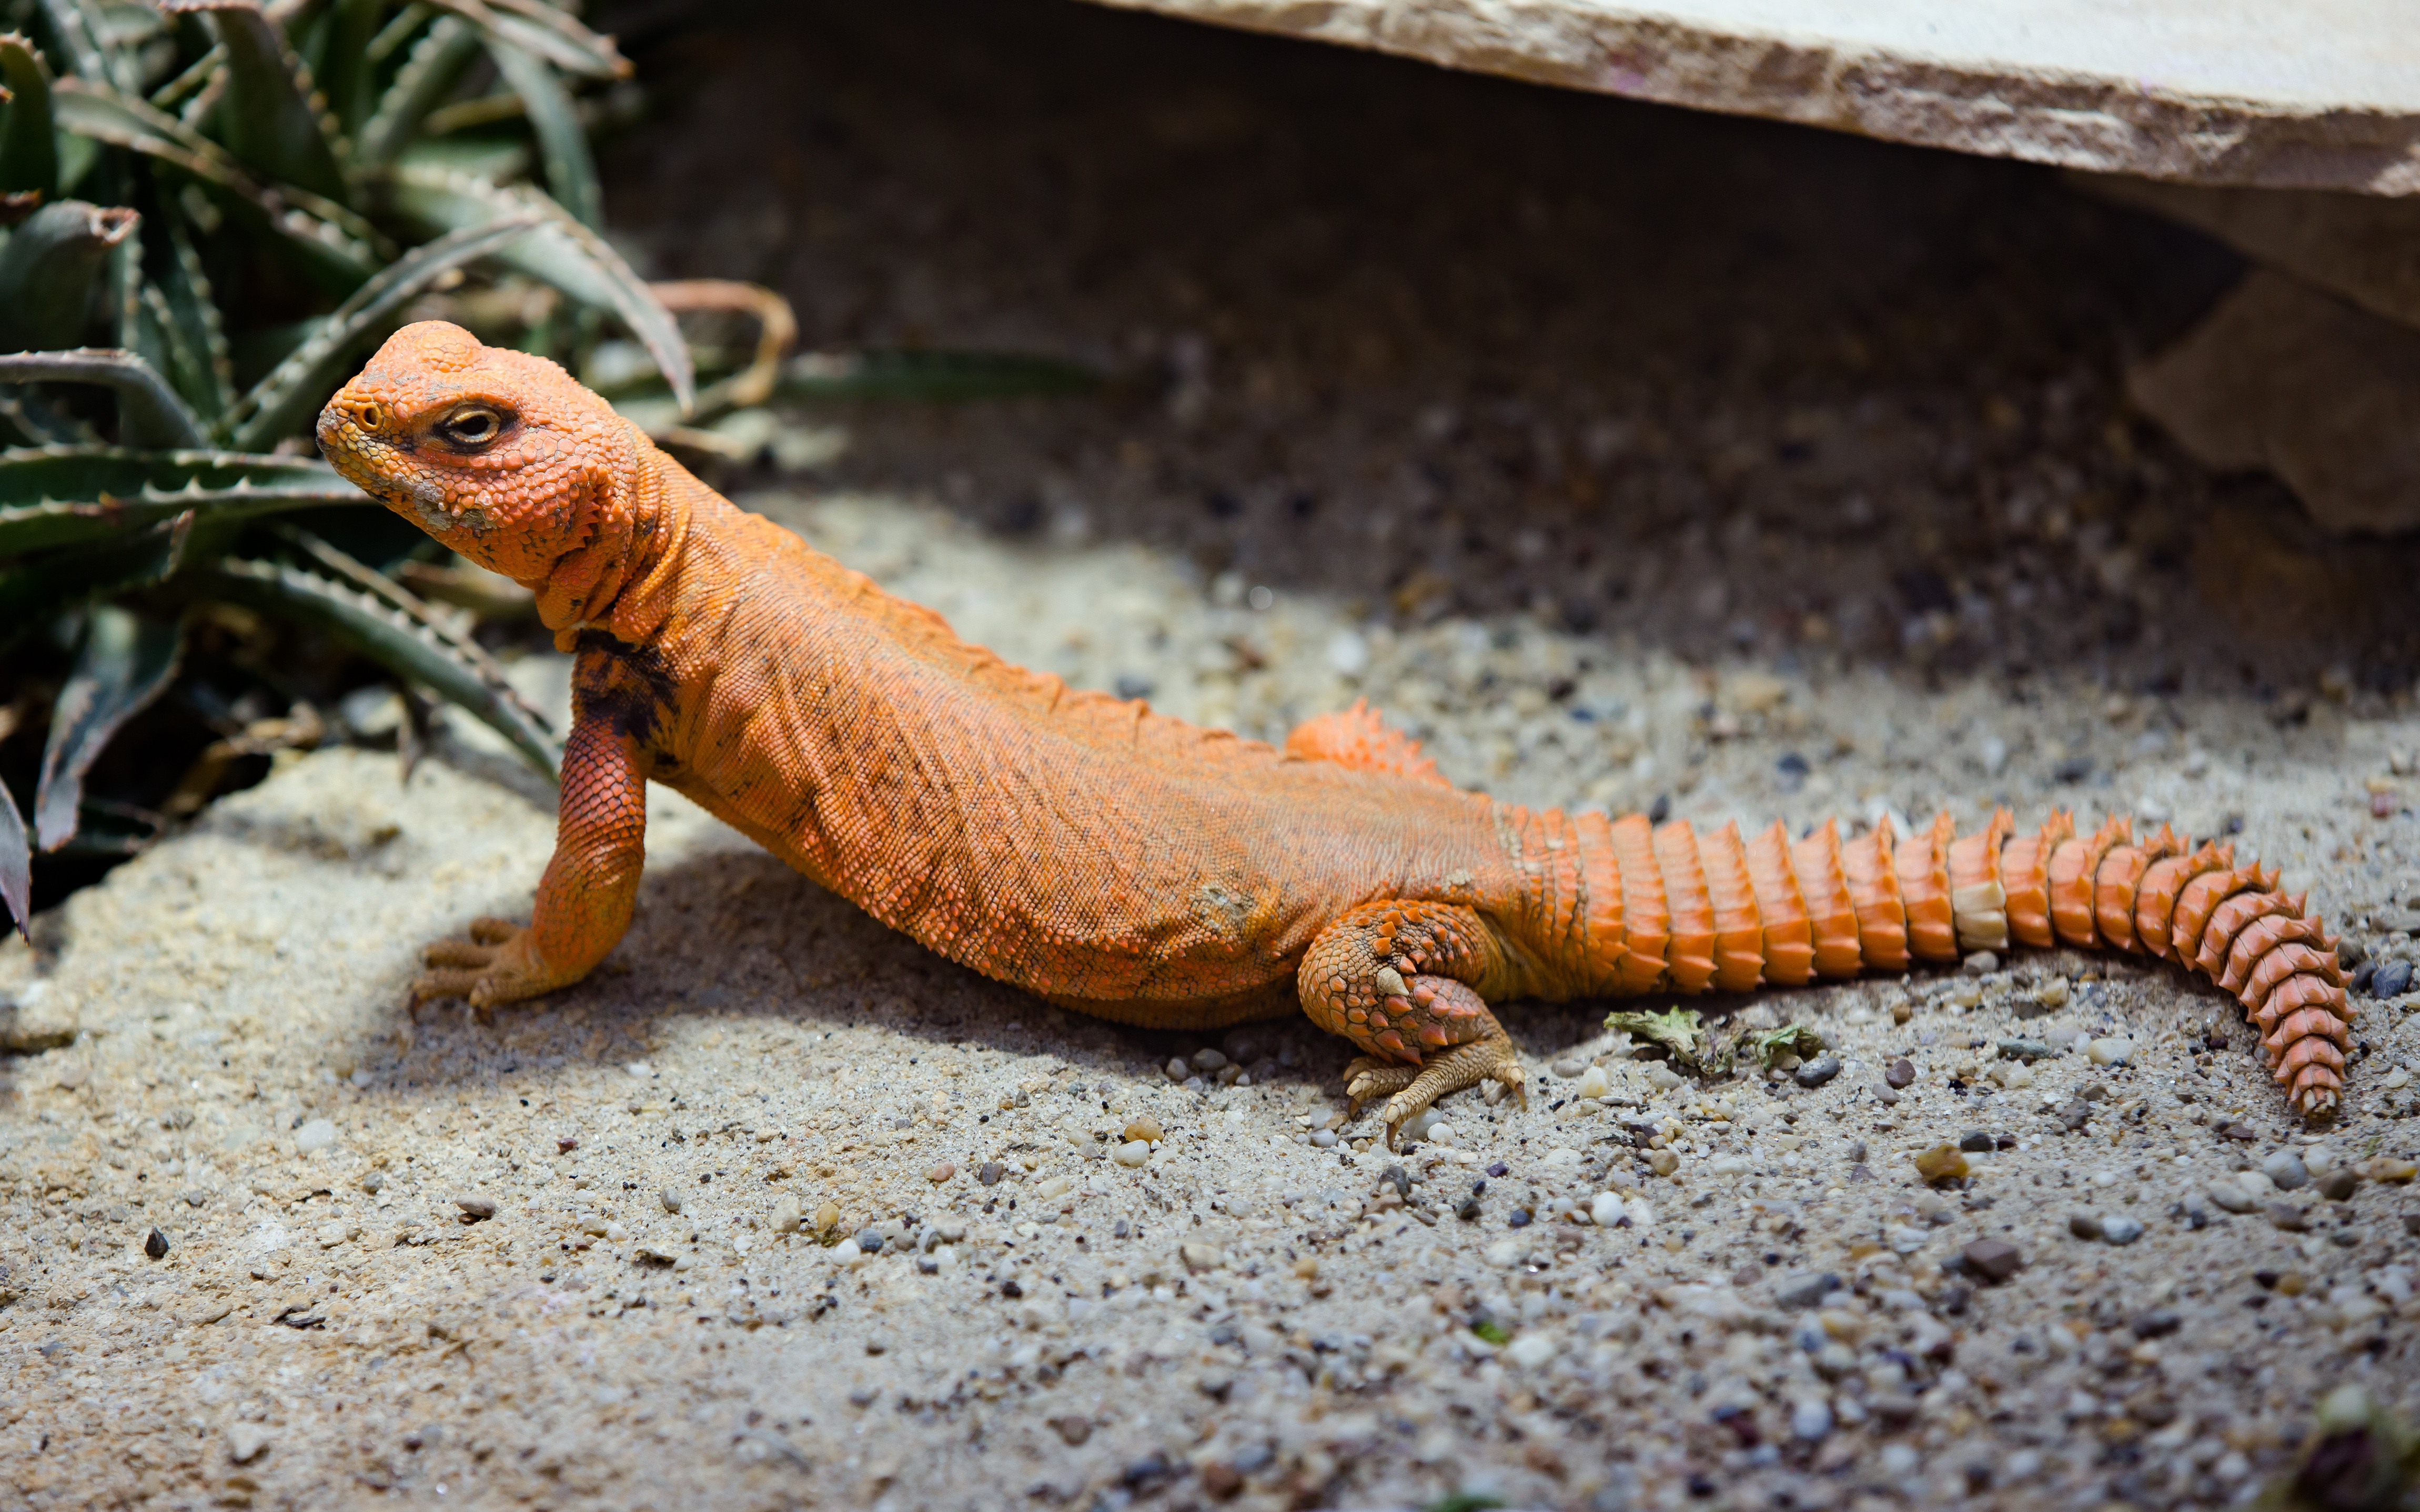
<point>1136,868</point>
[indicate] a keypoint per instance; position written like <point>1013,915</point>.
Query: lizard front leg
<point>1402,981</point>
<point>583,901</point>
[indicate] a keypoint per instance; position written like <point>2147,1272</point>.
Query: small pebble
<point>1176,1071</point>
<point>2110,1051</point>
<point>2084,1226</point>
<point>2392,980</point>
<point>789,1216</point>
<point>2339,1186</point>
<point>941,1173</point>
<point>1323,1138</point>
<point>1663,1078</point>
<point>2291,1219</point>
<point>1605,1210</point>
<point>869,1241</point>
<point>1133,1153</point>
<point>1663,1161</point>
<point>1530,1351</point>
<point>155,1245</point>
<point>1902,1072</point>
<point>1942,1163</point>
<point>1976,1142</point>
<point>245,1441</point>
<point>2387,1168</point>
<point>2285,1170</point>
<point>1994,1259</point>
<point>1593,1083</point>
<point>1805,1290</point>
<point>670,1198</point>
<point>314,1136</point>
<point>1979,963</point>
<point>1147,1129</point>
<point>1207,1059</point>
<point>2232,1197</point>
<point>2025,1050</point>
<point>1812,1418</point>
<point>2120,1230</point>
<point>877,1343</point>
<point>2159,1322</point>
<point>1818,1070</point>
<point>989,1172</point>
<point>477,1208</point>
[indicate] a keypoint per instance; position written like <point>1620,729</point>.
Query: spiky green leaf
<point>32,592</point>
<point>125,662</point>
<point>54,496</point>
<point>347,73</point>
<point>16,865</point>
<point>339,242</point>
<point>149,412</point>
<point>271,122</point>
<point>429,71</point>
<point>84,36</point>
<point>302,382</point>
<point>562,141</point>
<point>562,253</point>
<point>49,268</point>
<point>29,154</point>
<point>546,31</point>
<point>197,330</point>
<point>408,647</point>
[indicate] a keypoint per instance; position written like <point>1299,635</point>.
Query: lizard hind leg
<point>1400,981</point>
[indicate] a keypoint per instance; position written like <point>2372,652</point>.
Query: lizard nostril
<point>370,416</point>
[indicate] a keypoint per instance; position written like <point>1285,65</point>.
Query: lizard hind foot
<point>1489,1058</point>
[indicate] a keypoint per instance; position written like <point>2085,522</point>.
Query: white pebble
<point>1810,1419</point>
<point>1133,1152</point>
<point>1348,652</point>
<point>1605,1210</point>
<point>315,1137</point>
<point>640,1068</point>
<point>1530,1351</point>
<point>1593,1083</point>
<point>1726,1166</point>
<point>1506,1253</point>
<point>847,1253</point>
<point>1560,1156</point>
<point>1640,1212</point>
<point>1663,1078</point>
<point>2111,1052</point>
<point>1441,1133</point>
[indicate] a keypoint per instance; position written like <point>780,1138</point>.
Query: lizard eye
<point>474,426</point>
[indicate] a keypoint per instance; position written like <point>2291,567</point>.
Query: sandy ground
<point>592,1255</point>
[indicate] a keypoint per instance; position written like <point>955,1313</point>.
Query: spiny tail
<point>1673,909</point>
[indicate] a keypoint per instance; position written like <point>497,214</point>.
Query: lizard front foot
<point>498,964</point>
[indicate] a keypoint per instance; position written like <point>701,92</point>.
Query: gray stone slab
<point>2320,93</point>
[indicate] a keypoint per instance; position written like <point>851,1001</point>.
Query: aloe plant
<point>211,210</point>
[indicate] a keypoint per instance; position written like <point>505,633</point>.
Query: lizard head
<point>499,454</point>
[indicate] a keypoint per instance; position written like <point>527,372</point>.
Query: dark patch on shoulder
<point>630,688</point>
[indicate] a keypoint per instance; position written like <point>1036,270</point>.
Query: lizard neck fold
<point>623,581</point>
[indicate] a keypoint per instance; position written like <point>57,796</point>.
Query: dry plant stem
<point>777,328</point>
<point>1140,869</point>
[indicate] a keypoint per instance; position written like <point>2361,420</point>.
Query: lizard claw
<point>496,965</point>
